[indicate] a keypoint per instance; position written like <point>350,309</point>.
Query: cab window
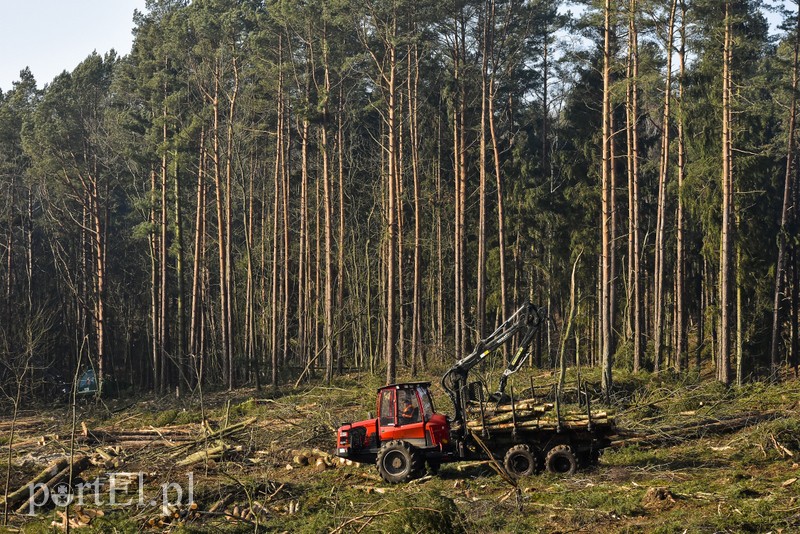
<point>427,403</point>
<point>408,407</point>
<point>386,407</point>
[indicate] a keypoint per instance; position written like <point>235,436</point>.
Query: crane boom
<point>528,319</point>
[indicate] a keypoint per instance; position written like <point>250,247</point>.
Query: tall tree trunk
<point>739,310</point>
<point>274,291</point>
<point>612,229</point>
<point>304,265</point>
<point>341,240</point>
<point>10,252</point>
<point>155,317</point>
<point>391,222</point>
<point>663,176</point>
<point>459,207</point>
<point>794,358</point>
<point>326,200</point>
<point>220,193</point>
<point>501,239</point>
<point>180,337</point>
<point>439,252</point>
<point>399,205</point>
<point>605,268</point>
<point>416,320</point>
<point>199,255</point>
<point>229,292</point>
<point>780,266</point>
<point>285,141</point>
<point>681,345</point>
<point>163,259</point>
<point>634,233</point>
<point>480,301</point>
<point>249,306</point>
<point>726,239</point>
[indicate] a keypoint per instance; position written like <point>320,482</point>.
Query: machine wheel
<point>520,461</point>
<point>561,460</point>
<point>399,462</point>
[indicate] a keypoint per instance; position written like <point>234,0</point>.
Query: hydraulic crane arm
<point>527,319</point>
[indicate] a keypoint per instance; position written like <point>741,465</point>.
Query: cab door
<point>402,416</point>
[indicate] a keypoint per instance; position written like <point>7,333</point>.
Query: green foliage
<point>427,511</point>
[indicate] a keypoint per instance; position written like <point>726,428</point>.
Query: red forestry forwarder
<point>408,433</point>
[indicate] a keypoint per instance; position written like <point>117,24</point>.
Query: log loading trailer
<point>526,435</point>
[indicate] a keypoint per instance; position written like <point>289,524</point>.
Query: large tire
<point>520,461</point>
<point>399,462</point>
<point>561,460</point>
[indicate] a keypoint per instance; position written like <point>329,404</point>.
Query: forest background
<point>264,191</point>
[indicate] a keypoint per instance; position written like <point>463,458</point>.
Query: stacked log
<point>527,415</point>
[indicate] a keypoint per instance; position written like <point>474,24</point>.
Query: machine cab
<point>405,412</point>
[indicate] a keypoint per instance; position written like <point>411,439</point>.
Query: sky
<point>51,36</point>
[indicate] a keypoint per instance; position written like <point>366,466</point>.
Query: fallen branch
<point>692,430</point>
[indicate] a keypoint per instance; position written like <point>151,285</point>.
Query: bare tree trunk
<point>249,307</point>
<point>780,268</point>
<point>400,191</point>
<point>480,301</point>
<point>391,214</point>
<point>681,345</point>
<point>660,250</point>
<point>155,317</point>
<point>285,141</point>
<point>416,320</point>
<point>220,193</point>
<point>326,200</point>
<point>458,330</point>
<point>199,254</point>
<point>100,225</point>
<point>612,228</point>
<point>739,310</point>
<point>726,241</point>
<point>304,270</point>
<point>501,240</point>
<point>605,269</point>
<point>794,358</point>
<point>274,298</point>
<point>439,254</point>
<point>180,335</point>
<point>341,247</point>
<point>163,334</point>
<point>562,362</point>
<point>634,232</point>
<point>229,292</point>
<point>10,250</point>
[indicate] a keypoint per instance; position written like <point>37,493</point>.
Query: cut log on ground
<point>79,463</point>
